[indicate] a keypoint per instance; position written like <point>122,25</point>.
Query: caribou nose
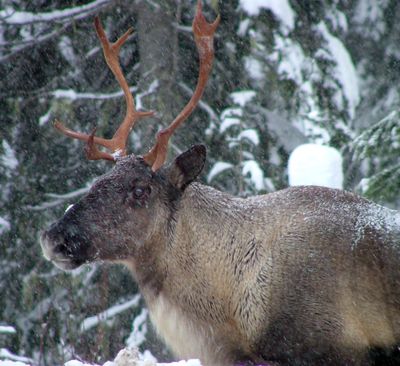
<point>53,248</point>
<point>47,246</point>
<point>58,253</point>
<point>62,246</point>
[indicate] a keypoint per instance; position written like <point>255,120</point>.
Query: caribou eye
<point>138,195</point>
<point>138,192</point>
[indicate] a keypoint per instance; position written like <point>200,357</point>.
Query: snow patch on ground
<point>12,363</point>
<point>125,357</point>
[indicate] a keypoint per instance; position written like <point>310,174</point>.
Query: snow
<point>58,199</point>
<point>227,123</point>
<point>290,59</point>
<point>45,118</point>
<point>217,169</point>
<point>337,19</point>
<point>8,158</point>
<point>363,185</point>
<point>252,168</point>
<point>68,208</point>
<point>73,95</point>
<point>243,27</point>
<point>313,131</point>
<point>92,321</point>
<point>125,357</point>
<point>345,71</point>
<point>243,97</point>
<point>13,17</point>
<point>280,8</point>
<point>139,330</point>
<point>6,329</point>
<point>312,164</point>
<point>182,363</point>
<point>67,50</point>
<point>4,227</point>
<point>213,117</point>
<point>251,135</point>
<point>12,363</point>
<point>230,117</point>
<point>14,359</point>
<point>254,68</point>
<point>371,12</point>
<point>74,363</point>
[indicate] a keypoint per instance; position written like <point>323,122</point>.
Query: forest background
<point>286,73</point>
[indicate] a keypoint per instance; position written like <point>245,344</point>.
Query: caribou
<point>302,276</point>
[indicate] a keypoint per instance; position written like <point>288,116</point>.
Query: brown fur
<point>303,276</point>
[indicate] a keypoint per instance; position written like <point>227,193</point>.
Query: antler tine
<point>111,55</point>
<point>204,38</point>
<point>117,144</point>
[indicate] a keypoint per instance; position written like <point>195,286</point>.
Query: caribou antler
<point>117,144</point>
<point>204,38</point>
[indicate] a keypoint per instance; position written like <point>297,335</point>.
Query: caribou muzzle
<point>64,246</point>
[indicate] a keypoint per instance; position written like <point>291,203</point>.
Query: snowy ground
<point>126,357</point>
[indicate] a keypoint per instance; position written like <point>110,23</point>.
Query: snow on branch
<point>12,359</point>
<point>4,227</point>
<point>382,135</point>
<point>37,28</point>
<point>73,95</point>
<point>58,199</point>
<point>280,8</point>
<point>10,16</point>
<point>7,329</point>
<point>19,46</point>
<point>344,71</point>
<point>93,321</point>
<point>202,104</point>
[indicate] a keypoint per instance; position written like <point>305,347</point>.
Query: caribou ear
<point>186,167</point>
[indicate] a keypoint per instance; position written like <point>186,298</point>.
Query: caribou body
<point>303,276</point>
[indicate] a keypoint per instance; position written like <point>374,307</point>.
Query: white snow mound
<point>312,164</point>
